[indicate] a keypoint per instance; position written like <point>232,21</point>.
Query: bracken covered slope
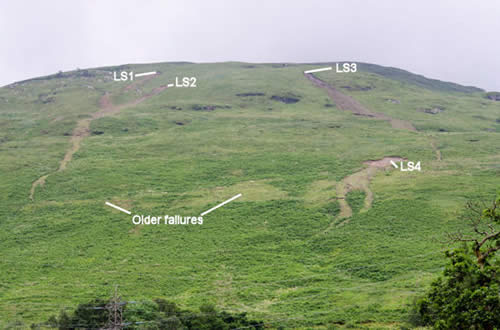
<point>326,231</point>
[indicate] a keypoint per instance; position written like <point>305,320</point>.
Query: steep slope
<point>262,130</point>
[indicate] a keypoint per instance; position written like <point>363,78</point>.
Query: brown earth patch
<point>384,162</point>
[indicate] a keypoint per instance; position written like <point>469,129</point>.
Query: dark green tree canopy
<point>467,295</point>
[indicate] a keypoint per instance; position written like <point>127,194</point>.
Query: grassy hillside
<point>284,252</point>
<point>416,79</point>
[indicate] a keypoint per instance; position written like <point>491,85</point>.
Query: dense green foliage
<point>356,199</point>
<point>157,314</point>
<point>277,252</point>
<point>467,295</point>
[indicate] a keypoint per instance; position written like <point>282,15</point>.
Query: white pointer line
<point>145,74</point>
<point>223,203</point>
<point>118,208</point>
<point>394,164</point>
<point>318,70</point>
<point>170,85</point>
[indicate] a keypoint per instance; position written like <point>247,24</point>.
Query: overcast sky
<point>455,40</point>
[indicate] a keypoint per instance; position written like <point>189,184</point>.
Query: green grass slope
<point>184,150</point>
<point>416,79</point>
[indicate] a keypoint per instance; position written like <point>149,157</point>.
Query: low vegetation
<point>276,253</point>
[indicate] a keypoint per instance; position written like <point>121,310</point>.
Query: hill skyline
<point>454,44</point>
<point>387,71</point>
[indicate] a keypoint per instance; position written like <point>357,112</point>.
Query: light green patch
<point>320,193</point>
<point>252,191</point>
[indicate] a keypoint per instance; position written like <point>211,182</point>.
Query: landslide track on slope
<point>359,181</point>
<point>82,129</point>
<point>347,103</point>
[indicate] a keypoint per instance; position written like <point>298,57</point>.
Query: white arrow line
<point>223,203</point>
<point>318,70</point>
<point>394,164</point>
<point>145,74</point>
<point>117,207</point>
<point>170,85</point>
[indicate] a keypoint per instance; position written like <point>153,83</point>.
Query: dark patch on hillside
<point>280,65</point>
<point>357,88</point>
<point>494,96</point>
<point>250,94</point>
<point>363,114</point>
<point>288,99</point>
<point>393,101</point>
<point>199,107</point>
<point>432,110</point>
<point>45,98</point>
<point>172,107</point>
<point>123,67</point>
<point>4,139</point>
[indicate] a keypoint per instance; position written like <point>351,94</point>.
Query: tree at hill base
<point>467,294</point>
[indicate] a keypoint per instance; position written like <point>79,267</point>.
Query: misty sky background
<point>449,40</point>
